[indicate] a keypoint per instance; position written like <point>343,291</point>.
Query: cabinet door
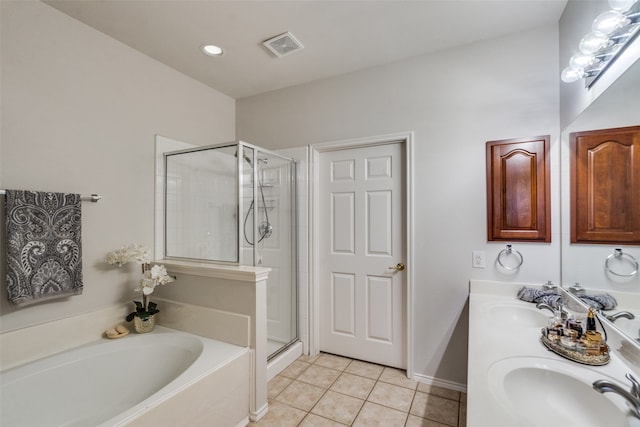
<point>518,189</point>
<point>605,186</point>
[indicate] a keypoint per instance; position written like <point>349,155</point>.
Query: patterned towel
<point>599,301</point>
<point>44,253</point>
<point>550,297</point>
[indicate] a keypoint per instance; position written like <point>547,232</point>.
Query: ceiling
<point>338,36</point>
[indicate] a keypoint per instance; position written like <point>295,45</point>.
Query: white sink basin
<point>631,327</point>
<point>517,314</point>
<point>550,392</point>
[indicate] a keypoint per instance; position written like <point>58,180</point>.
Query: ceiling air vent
<point>283,45</point>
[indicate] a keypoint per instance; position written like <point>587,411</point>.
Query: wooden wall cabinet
<point>605,186</point>
<point>518,186</point>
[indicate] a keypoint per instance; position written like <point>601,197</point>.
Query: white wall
<point>454,101</point>
<point>79,114</point>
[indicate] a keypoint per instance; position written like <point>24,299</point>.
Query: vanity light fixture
<point>212,50</point>
<point>611,32</point>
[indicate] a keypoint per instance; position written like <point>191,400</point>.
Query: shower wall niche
<point>235,203</point>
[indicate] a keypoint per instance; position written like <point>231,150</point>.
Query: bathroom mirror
<point>618,106</point>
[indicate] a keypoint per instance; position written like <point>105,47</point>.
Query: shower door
<point>268,237</point>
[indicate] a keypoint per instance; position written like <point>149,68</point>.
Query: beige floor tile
<point>338,407</point>
<point>463,397</point>
<point>392,396</point>
<point>435,408</point>
<point>280,415</point>
<point>313,420</point>
<point>353,385</point>
<point>332,361</point>
<point>365,369</point>
<point>373,415</point>
<point>439,391</point>
<point>308,359</point>
<point>397,377</point>
<point>319,375</point>
<point>300,395</point>
<point>294,370</point>
<point>413,421</point>
<point>276,385</point>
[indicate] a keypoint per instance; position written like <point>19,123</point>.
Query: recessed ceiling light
<point>211,50</point>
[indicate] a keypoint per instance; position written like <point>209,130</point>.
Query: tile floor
<point>329,390</point>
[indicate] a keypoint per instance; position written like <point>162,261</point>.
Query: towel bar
<point>510,251</point>
<point>619,255</point>
<point>90,198</point>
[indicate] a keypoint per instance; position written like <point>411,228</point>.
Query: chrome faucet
<point>545,306</point>
<point>625,314</point>
<point>632,397</point>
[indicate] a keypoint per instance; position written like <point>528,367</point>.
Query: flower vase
<point>142,326</point>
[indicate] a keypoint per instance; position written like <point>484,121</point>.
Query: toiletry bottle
<point>591,320</point>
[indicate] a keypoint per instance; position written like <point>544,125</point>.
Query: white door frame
<point>314,289</point>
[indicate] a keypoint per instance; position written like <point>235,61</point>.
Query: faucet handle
<point>577,290</point>
<point>635,385</point>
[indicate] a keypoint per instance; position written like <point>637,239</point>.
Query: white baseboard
<point>255,416</point>
<point>440,383</point>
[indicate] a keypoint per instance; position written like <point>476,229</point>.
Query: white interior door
<point>362,240</point>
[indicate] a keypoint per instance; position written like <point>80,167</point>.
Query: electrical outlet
<point>478,259</point>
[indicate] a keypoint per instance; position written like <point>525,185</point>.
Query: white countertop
<point>493,338</point>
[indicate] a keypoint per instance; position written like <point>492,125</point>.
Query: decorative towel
<point>599,301</point>
<point>549,297</point>
<point>44,253</point>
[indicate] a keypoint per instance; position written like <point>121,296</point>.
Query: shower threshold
<point>284,357</point>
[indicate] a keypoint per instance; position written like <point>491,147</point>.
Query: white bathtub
<point>165,377</point>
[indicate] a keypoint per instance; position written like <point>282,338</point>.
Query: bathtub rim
<point>214,356</point>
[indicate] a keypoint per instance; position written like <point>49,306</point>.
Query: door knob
<point>398,267</point>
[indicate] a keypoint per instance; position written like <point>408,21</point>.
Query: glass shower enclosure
<point>235,203</point>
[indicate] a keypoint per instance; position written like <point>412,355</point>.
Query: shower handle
<point>398,267</point>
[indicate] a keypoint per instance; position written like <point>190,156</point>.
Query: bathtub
<point>166,377</point>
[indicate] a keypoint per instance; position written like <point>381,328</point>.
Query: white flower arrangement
<point>133,253</point>
<point>152,276</point>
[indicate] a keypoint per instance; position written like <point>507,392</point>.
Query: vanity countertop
<point>502,329</point>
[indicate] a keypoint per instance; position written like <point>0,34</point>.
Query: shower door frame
<point>164,203</point>
<point>294,231</point>
<point>240,209</point>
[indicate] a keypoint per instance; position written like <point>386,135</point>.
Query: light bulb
<point>212,50</point>
<point>607,22</point>
<point>621,5</point>
<point>580,60</point>
<point>571,74</point>
<point>593,42</point>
